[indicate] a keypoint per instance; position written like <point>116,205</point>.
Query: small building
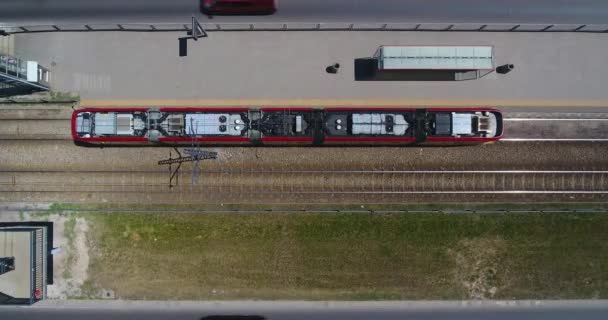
<point>427,63</point>
<point>26,263</point>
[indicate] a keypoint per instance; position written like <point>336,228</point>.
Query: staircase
<point>18,76</point>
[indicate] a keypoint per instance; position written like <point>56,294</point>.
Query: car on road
<point>238,7</point>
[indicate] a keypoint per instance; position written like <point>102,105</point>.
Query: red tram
<point>243,126</point>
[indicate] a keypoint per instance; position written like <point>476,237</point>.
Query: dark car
<point>238,7</point>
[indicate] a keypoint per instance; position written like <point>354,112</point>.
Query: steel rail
<point>327,171</point>
<point>21,138</point>
<point>288,211</point>
<point>319,182</point>
<point>17,138</point>
<point>10,136</point>
<point>504,119</point>
<point>327,192</point>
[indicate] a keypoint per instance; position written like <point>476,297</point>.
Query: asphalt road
<point>311,311</point>
<point>29,12</point>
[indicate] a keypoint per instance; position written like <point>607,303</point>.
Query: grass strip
<point>349,256</point>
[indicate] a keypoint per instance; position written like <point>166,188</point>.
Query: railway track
<point>55,125</point>
<point>35,129</point>
<point>572,129</point>
<point>35,114</point>
<point>216,186</point>
<point>292,186</point>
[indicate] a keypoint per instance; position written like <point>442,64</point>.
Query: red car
<point>238,7</point>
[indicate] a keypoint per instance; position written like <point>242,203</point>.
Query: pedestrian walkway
<point>292,65</point>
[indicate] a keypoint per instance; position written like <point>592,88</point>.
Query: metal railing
<point>15,78</point>
<point>13,66</point>
<point>446,27</point>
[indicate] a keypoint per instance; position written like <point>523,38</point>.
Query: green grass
<point>349,256</point>
<point>88,290</point>
<point>70,234</point>
<point>58,96</point>
<point>44,97</point>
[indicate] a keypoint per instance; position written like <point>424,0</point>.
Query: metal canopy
<point>18,76</point>
<point>435,57</point>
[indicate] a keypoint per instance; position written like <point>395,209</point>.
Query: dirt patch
<point>71,265</point>
<point>478,266</point>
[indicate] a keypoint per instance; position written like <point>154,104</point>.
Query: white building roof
<point>435,57</point>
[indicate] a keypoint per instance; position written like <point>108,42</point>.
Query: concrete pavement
<point>560,69</point>
<point>381,310</point>
<point>29,12</point>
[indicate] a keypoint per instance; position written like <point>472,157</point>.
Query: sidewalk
<point>290,305</point>
<point>291,65</point>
